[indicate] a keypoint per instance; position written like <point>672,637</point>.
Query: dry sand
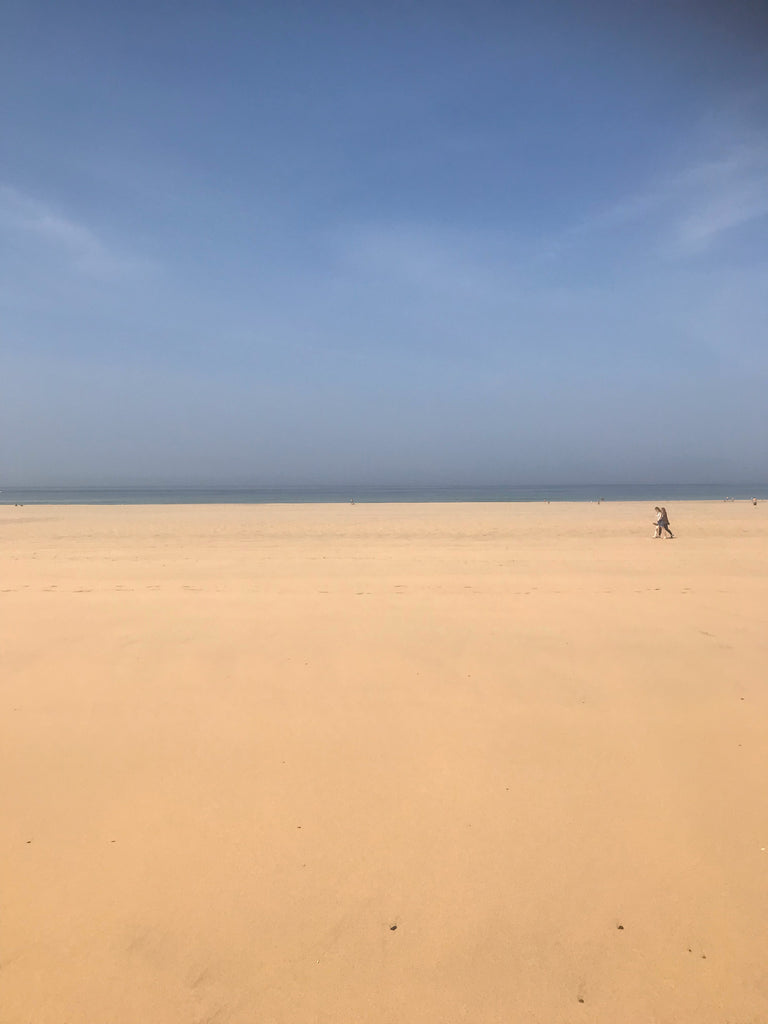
<point>240,744</point>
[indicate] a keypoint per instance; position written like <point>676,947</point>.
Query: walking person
<point>662,522</point>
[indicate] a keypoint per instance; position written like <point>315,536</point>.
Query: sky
<point>294,243</point>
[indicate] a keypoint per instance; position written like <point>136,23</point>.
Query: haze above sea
<point>371,494</point>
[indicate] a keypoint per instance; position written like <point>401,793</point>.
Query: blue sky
<point>333,243</point>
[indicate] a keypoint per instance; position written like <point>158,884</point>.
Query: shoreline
<point>581,494</point>
<point>365,502</point>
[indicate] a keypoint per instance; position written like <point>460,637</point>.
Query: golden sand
<point>383,764</point>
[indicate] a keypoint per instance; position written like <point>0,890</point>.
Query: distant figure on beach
<point>754,502</point>
<point>662,521</point>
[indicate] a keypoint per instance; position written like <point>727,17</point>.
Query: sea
<point>368,494</point>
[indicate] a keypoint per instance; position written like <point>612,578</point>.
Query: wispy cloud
<point>688,211</point>
<point>438,261</point>
<point>715,196</point>
<point>62,238</point>
<point>740,204</point>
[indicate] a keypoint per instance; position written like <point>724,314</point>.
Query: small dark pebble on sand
<point>620,927</point>
<point>580,999</point>
<point>393,927</point>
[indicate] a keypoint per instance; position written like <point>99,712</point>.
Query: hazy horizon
<point>349,488</point>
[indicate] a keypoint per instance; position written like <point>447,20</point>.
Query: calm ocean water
<point>296,495</point>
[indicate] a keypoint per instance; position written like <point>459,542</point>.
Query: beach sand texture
<point>384,763</point>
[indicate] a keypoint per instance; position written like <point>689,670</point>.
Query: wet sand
<point>383,763</point>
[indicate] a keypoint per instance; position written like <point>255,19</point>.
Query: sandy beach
<point>383,764</point>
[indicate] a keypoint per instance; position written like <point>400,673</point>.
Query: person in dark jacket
<point>662,522</point>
